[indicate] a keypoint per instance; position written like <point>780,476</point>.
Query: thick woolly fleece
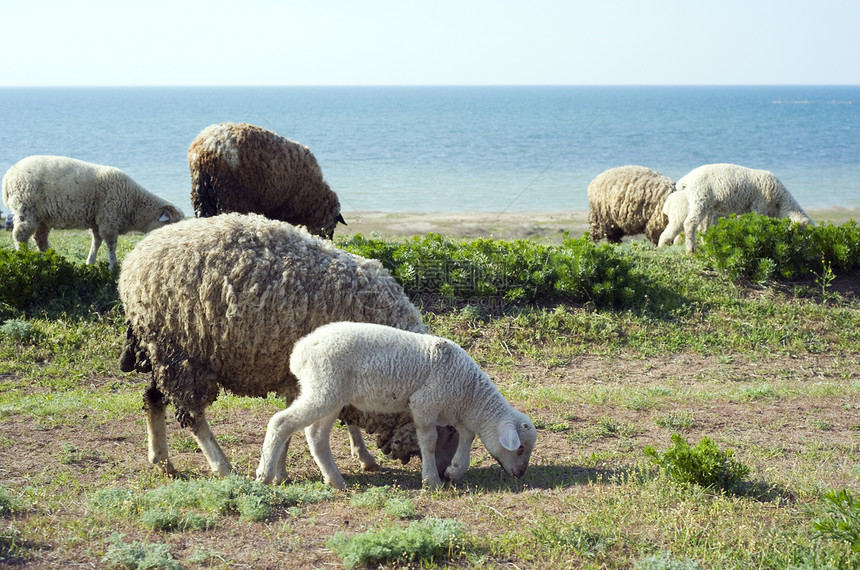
<point>722,189</point>
<point>45,192</point>
<point>237,167</point>
<point>378,368</point>
<point>219,302</point>
<point>628,200</point>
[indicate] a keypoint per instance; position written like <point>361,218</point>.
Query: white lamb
<point>723,189</point>
<point>675,209</point>
<point>47,192</point>
<point>376,368</point>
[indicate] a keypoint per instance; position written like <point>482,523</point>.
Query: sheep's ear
<point>164,217</point>
<point>508,436</point>
<point>340,219</point>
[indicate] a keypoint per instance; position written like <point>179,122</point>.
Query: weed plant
<point>423,541</point>
<point>196,505</point>
<point>704,464</point>
<point>842,519</point>
<point>138,554</point>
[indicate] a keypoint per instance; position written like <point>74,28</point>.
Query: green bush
<point>423,540</point>
<point>764,249</point>
<point>705,464</point>
<point>47,280</point>
<point>842,522</point>
<point>517,271</point>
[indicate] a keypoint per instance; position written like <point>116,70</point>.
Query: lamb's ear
<point>508,436</point>
<point>164,216</point>
<point>167,213</point>
<point>340,219</point>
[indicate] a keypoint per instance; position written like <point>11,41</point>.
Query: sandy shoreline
<point>540,226</point>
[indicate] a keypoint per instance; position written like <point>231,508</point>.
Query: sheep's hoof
<point>371,467</point>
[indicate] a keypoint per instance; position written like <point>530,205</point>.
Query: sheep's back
<point>247,169</point>
<point>234,293</point>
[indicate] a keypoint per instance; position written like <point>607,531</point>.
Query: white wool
<point>377,368</point>
<point>45,192</point>
<point>717,190</point>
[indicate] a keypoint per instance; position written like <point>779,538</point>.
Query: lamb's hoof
<point>371,467</point>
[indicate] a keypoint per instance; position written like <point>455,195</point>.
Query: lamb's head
<point>515,442</point>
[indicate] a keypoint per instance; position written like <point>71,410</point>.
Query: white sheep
<point>45,192</point>
<point>675,209</point>
<point>218,303</point>
<point>723,189</point>
<point>627,200</point>
<point>237,167</point>
<point>377,369</point>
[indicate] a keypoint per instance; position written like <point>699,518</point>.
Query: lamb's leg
<point>460,462</point>
<point>426,435</point>
<point>695,216</point>
<point>358,449</point>
<point>218,462</point>
<point>304,411</point>
<point>156,430</point>
<point>318,435</point>
<point>671,233</point>
<point>42,231</point>
<point>94,248</point>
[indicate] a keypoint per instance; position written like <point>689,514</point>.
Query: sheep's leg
<point>110,241</point>
<point>156,430</point>
<point>426,435</point>
<point>460,462</point>
<point>94,248</point>
<point>358,449</point>
<point>42,231</point>
<point>209,446</point>
<point>318,435</point>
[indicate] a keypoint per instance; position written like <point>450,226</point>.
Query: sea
<point>459,149</point>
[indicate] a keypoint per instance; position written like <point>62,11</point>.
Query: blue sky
<point>440,42</point>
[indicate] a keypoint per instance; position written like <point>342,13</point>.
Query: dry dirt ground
<point>770,434</point>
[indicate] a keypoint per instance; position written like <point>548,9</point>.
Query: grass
<point>767,372</point>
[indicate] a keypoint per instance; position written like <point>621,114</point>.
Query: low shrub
<point>763,249</point>
<point>704,464</point>
<point>47,280</point>
<point>517,271</point>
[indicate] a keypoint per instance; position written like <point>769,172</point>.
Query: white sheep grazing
<point>626,200</point>
<point>378,368</point>
<point>47,192</point>
<point>217,304</point>
<point>675,209</point>
<point>237,167</point>
<point>723,189</point>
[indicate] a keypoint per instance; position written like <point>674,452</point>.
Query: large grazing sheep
<point>722,189</point>
<point>237,167</point>
<point>45,192</point>
<point>219,302</point>
<point>627,200</point>
<point>381,369</point>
